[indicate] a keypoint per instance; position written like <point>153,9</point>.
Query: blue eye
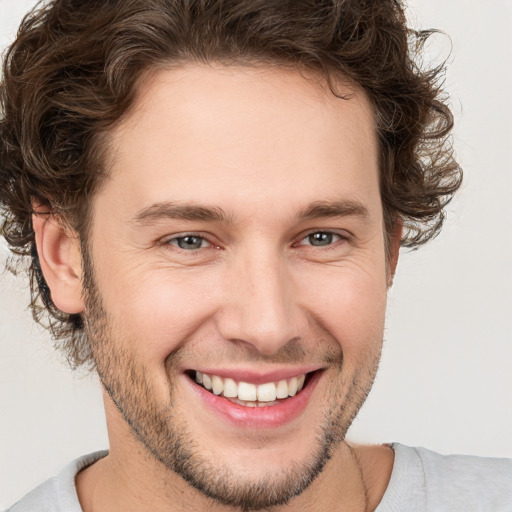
<point>189,242</point>
<point>321,239</point>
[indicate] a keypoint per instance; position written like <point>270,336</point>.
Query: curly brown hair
<point>71,74</point>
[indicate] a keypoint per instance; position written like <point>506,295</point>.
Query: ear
<point>393,250</point>
<point>59,256</point>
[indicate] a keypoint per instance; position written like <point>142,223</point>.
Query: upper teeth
<point>248,392</point>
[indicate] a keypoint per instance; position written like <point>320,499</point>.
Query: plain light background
<point>446,375</point>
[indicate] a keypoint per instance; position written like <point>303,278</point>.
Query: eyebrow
<point>191,212</point>
<point>170,210</point>
<point>345,208</point>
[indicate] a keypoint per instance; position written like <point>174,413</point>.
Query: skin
<point>282,158</point>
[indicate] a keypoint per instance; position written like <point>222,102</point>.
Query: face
<point>236,297</point>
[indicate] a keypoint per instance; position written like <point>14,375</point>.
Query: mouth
<point>246,394</point>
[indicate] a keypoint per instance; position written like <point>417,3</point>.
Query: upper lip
<point>254,376</point>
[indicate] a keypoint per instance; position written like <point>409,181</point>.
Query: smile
<point>248,394</point>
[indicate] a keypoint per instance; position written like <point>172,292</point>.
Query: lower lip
<point>270,416</point>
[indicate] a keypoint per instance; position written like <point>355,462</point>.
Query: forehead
<point>244,136</point>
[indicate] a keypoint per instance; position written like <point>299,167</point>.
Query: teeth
<point>282,389</point>
<point>207,381</point>
<point>292,386</point>
<point>230,388</point>
<point>251,394</point>
<point>267,392</point>
<point>217,385</point>
<point>247,392</point>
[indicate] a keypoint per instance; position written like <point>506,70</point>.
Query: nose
<point>261,305</point>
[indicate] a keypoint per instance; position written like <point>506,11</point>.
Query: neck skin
<point>129,479</point>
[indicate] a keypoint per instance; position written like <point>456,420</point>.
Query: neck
<point>131,481</point>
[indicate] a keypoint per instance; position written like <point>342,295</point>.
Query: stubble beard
<point>165,434</point>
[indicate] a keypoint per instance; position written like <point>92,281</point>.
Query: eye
<point>320,239</point>
<point>189,242</point>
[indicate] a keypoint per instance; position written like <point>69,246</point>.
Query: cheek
<point>350,305</point>
<point>159,310</point>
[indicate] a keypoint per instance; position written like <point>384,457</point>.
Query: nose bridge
<point>262,310</point>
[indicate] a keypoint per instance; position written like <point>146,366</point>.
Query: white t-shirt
<point>421,481</point>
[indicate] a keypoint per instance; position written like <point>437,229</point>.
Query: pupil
<point>190,242</point>
<point>319,239</point>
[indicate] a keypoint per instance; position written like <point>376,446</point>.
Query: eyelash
<point>328,246</point>
<point>175,240</point>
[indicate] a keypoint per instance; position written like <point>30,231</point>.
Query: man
<point>213,195</point>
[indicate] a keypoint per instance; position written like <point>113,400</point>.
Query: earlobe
<point>59,257</point>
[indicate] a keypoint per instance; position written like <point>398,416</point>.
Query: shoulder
<point>424,480</point>
<point>57,494</point>
<point>465,470</point>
